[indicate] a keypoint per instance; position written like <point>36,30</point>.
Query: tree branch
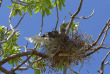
<point>72,70</point>
<point>73,16</point>
<point>94,50</point>
<point>22,63</point>
<point>21,55</point>
<point>3,70</point>
<point>19,21</point>
<point>65,68</point>
<point>41,26</point>
<point>105,35</point>
<point>82,17</point>
<point>100,35</point>
<point>108,23</point>
<point>102,64</point>
<point>11,16</point>
<point>30,65</point>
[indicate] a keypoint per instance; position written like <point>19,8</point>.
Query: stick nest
<point>64,49</point>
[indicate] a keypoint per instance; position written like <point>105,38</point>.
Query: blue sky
<point>30,26</point>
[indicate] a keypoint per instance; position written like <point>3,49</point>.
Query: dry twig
<point>101,69</point>
<point>82,17</point>
<point>73,16</point>
<point>72,70</point>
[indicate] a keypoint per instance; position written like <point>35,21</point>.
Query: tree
<point>60,50</point>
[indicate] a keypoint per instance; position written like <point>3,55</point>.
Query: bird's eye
<point>46,39</point>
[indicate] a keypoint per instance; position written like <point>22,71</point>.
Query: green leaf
<point>60,4</point>
<point>20,12</point>
<point>14,13</point>
<point>37,71</point>
<point>9,7</point>
<point>30,11</point>
<point>63,4</point>
<point>37,10</point>
<point>25,9</point>
<point>48,12</point>
<point>0,28</point>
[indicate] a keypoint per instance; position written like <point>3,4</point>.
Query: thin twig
<point>82,17</point>
<point>73,16</point>
<point>72,70</point>
<point>22,63</point>
<point>81,67</point>
<point>17,23</point>
<point>94,50</point>
<point>106,47</point>
<point>57,15</point>
<point>105,35</point>
<point>30,65</point>
<point>41,26</point>
<point>19,20</point>
<point>11,16</point>
<point>102,64</point>
<point>101,33</point>
<point>25,61</point>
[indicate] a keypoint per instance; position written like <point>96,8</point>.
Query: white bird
<point>48,37</point>
<point>42,40</point>
<point>63,28</point>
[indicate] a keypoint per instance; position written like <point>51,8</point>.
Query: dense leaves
<point>35,6</point>
<point>10,47</point>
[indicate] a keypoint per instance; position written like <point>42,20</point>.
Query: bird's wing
<point>36,39</point>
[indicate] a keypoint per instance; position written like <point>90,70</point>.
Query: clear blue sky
<point>30,26</point>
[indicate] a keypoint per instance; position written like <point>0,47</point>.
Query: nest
<point>64,49</point>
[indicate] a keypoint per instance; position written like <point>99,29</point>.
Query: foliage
<point>10,47</point>
<point>42,6</point>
